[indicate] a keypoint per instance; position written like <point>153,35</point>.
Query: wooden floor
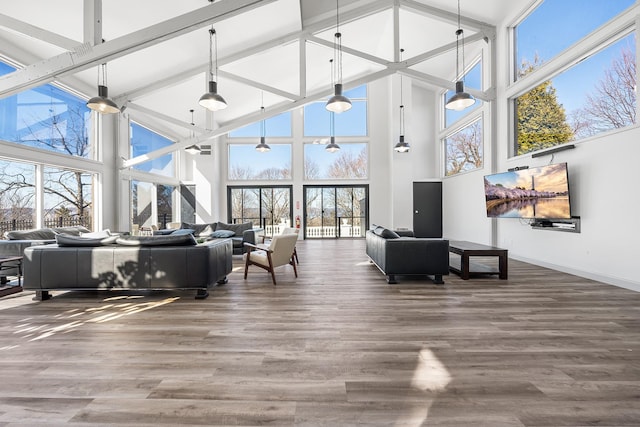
<point>336,347</point>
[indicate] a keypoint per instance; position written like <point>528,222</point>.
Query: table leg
<point>503,265</point>
<point>464,267</point>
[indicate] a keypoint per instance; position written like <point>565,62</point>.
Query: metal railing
<point>28,224</point>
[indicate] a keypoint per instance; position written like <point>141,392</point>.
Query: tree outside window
<point>464,149</point>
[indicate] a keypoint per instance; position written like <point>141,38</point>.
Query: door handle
<point>416,211</point>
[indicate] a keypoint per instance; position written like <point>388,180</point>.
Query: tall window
<point>557,24</point>
<point>46,117</point>
<point>596,94</point>
<point>68,197</point>
<point>245,163</point>
<point>464,149</point>
<point>144,141</point>
<point>352,123</point>
<point>277,126</point>
<point>472,79</point>
<point>17,195</point>
<point>351,162</point>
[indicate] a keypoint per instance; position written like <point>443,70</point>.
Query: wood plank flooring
<point>337,346</point>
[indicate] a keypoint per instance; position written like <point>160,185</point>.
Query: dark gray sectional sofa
<point>402,254</point>
<point>127,262</point>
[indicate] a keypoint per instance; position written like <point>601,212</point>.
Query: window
<point>473,79</point>
<point>141,203</point>
<point>596,95</point>
<point>68,197</point>
<point>464,149</point>
<point>557,24</point>
<point>351,162</point>
<point>17,195</point>
<point>144,141</point>
<point>164,197</point>
<point>47,118</point>
<point>245,163</point>
<point>352,123</point>
<point>278,126</point>
<point>267,206</point>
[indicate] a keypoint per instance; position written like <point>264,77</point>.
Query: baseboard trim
<point>615,281</point>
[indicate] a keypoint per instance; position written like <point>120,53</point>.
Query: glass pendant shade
<point>461,99</point>
<point>263,147</point>
<point>212,100</point>
<point>102,103</point>
<point>338,103</point>
<point>402,146</point>
<point>332,147</point>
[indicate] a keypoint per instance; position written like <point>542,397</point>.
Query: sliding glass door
<point>335,211</point>
<point>265,206</point>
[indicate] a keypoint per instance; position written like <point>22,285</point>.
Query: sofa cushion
<point>65,240</point>
<point>73,230</point>
<point>223,233</point>
<point>238,229</point>
<point>34,234</point>
<point>170,240</point>
<point>199,230</point>
<point>97,234</point>
<point>182,231</point>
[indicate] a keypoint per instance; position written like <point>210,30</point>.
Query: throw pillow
<point>36,234</point>
<point>389,234</point>
<point>236,228</point>
<point>223,234</point>
<point>97,234</point>
<point>73,230</point>
<point>170,240</point>
<point>199,230</point>
<point>183,231</point>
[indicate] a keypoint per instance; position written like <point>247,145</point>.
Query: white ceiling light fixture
<point>338,103</point>
<point>461,99</point>
<point>192,149</point>
<point>102,103</point>
<point>401,146</point>
<point>211,100</point>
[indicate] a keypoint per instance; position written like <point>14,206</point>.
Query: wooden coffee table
<point>5,264</point>
<point>470,249</point>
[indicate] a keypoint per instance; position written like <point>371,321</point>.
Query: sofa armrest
<point>251,236</point>
<point>405,233</point>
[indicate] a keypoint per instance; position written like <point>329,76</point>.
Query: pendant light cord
<point>212,32</point>
<point>401,103</point>
<point>263,126</point>
<point>337,48</point>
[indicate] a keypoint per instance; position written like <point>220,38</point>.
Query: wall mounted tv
<point>540,192</point>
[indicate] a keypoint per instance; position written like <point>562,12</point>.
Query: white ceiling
<point>157,50</point>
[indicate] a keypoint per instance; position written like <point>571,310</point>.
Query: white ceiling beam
<point>258,85</point>
<point>91,22</point>
<point>321,25</point>
<point>169,119</point>
<point>86,55</point>
<point>37,33</point>
<point>442,49</point>
<point>350,51</point>
<point>431,12</point>
<point>302,66</point>
<point>487,95</point>
<point>254,117</point>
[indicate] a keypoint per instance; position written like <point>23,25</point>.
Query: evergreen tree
<point>542,121</point>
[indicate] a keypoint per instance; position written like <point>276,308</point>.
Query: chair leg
<point>271,269</point>
<point>293,262</point>
<point>295,255</point>
<point>246,265</point>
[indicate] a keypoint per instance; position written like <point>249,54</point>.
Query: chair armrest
<point>252,247</point>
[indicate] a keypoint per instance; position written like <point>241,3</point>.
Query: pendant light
<point>332,147</point>
<point>401,146</point>
<point>461,99</point>
<point>338,103</point>
<point>263,147</point>
<point>192,149</point>
<point>102,103</point>
<point>212,100</point>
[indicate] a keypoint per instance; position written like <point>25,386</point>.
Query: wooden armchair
<point>279,252</point>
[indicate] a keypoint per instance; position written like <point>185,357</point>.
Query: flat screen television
<point>534,193</point>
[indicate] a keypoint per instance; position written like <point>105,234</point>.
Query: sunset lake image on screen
<point>541,192</point>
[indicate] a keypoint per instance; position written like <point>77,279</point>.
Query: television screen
<point>541,192</point>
